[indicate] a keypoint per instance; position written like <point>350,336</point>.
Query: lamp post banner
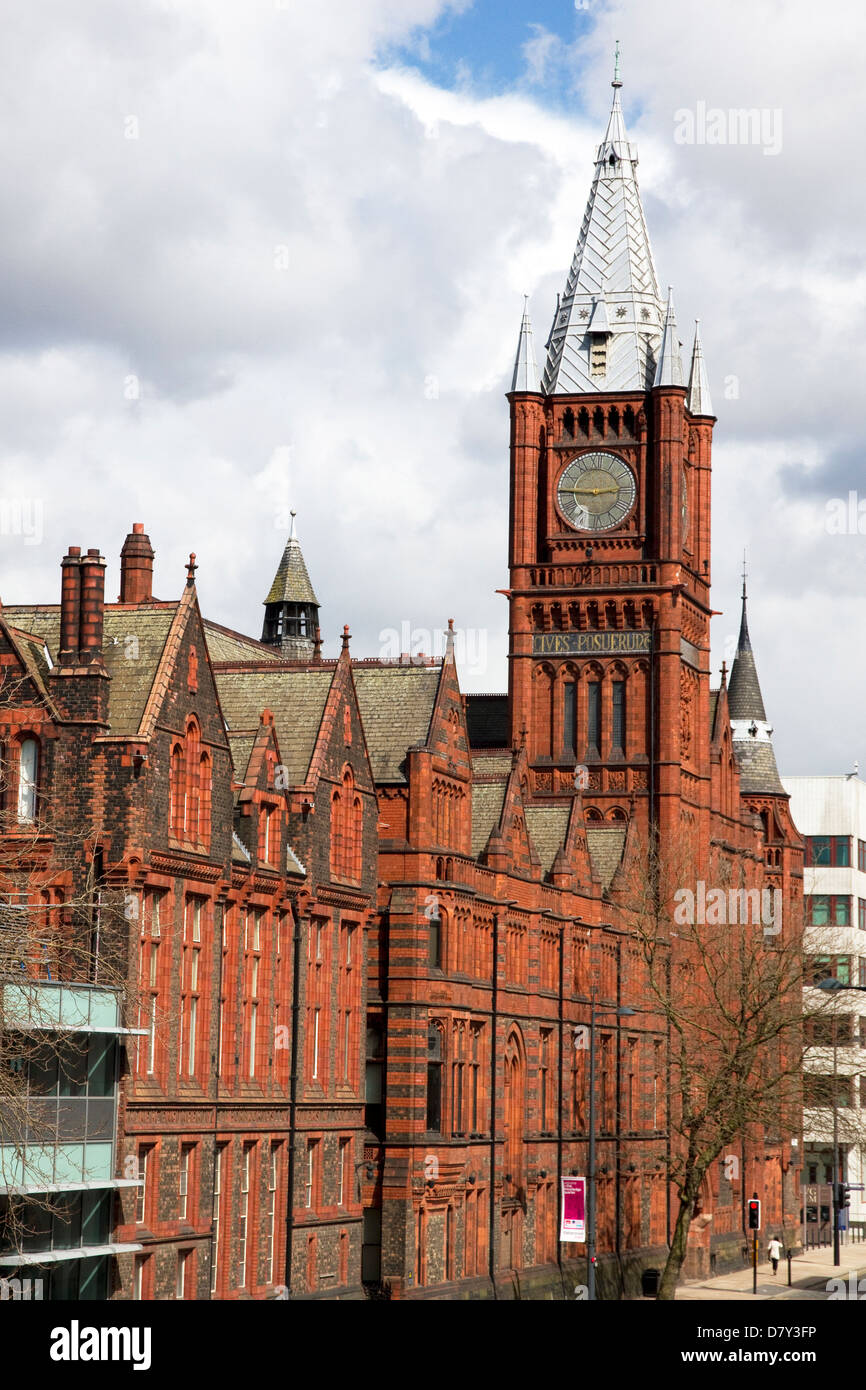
<point>573,1226</point>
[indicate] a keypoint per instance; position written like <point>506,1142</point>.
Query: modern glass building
<point>58,1128</point>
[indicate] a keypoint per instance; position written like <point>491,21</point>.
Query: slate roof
<point>757,763</point>
<point>226,645</point>
<point>135,636</point>
<point>488,798</point>
<point>744,692</point>
<point>396,704</point>
<point>548,826</point>
<point>605,845</point>
<point>297,700</point>
<point>241,748</point>
<point>491,764</point>
<point>240,853</point>
<point>293,863</point>
<point>32,652</point>
<point>291,581</point>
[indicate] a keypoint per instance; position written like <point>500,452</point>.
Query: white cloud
<point>303,252</point>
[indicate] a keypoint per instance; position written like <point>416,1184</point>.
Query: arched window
<point>435,1059</point>
<point>357,838</point>
<point>347,823</point>
<point>176,793</point>
<point>435,938</point>
<point>515,1119</point>
<point>190,787</point>
<point>205,782</point>
<point>193,772</point>
<point>28,771</point>
<point>336,835</point>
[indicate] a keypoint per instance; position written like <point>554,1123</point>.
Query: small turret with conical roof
<point>752,735</point>
<point>291,607</point>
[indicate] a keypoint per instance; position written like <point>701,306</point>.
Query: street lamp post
<point>590,1177</point>
<point>832,986</point>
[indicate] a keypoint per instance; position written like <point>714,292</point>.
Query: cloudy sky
<point>270,255</point>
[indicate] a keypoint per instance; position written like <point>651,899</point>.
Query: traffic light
<point>843,1195</point>
<point>754,1214</point>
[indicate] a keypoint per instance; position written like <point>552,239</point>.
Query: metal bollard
<point>790,1253</point>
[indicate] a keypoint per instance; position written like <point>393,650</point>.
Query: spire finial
<point>292,536</point>
<point>346,636</point>
<point>191,568</point>
<point>616,77</point>
<point>745,573</point>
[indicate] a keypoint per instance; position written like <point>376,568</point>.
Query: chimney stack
<point>136,567</point>
<point>70,606</point>
<point>92,607</point>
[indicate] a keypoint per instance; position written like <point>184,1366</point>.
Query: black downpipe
<point>491,1261</point>
<point>559,1105</point>
<point>293,1094</point>
<point>216,1106</point>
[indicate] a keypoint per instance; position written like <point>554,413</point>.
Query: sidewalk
<point>810,1274</point>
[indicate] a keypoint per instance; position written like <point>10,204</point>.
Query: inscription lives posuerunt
<point>590,643</point>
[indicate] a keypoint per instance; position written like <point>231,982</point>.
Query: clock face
<point>596,492</point>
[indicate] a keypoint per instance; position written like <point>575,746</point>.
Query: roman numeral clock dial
<point>596,492</point>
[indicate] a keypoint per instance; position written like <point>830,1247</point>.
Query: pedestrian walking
<point>774,1250</point>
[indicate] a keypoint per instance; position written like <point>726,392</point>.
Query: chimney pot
<point>92,620</point>
<point>136,567</point>
<point>70,606</point>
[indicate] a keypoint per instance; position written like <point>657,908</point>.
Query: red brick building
<point>369,912</point>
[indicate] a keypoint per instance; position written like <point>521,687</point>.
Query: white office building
<point>830,812</point>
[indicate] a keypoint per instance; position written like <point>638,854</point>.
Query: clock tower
<point>609,544</point>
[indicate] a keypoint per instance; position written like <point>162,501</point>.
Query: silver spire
<point>669,370</point>
<point>612,266</point>
<point>698,400</point>
<point>525,377</point>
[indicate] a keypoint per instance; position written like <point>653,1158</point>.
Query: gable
<point>297,700</point>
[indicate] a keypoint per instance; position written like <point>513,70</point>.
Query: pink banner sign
<point>573,1225</point>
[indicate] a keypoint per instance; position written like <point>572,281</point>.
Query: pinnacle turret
<point>698,399</point>
<point>669,368</point>
<point>525,377</point>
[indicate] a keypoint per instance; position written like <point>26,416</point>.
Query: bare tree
<point>725,970</point>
